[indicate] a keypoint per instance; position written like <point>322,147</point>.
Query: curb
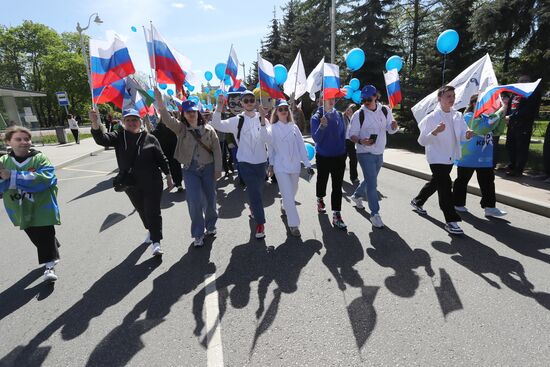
<point>515,201</point>
<point>80,157</point>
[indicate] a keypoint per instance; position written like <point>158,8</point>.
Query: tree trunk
<point>416,26</point>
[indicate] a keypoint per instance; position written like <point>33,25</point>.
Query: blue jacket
<point>331,140</point>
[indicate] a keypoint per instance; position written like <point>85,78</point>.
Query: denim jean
<point>254,177</point>
<point>370,165</point>
<point>200,187</point>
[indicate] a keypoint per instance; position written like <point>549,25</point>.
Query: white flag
<point>314,82</point>
<point>296,81</point>
<point>475,79</point>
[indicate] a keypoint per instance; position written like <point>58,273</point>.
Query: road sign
<point>62,98</point>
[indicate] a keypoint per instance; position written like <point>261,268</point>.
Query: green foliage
<point>35,57</point>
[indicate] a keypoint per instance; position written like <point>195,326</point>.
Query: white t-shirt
<point>73,124</point>
<point>376,123</point>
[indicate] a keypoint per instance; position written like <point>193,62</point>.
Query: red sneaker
<point>260,231</point>
<point>321,206</point>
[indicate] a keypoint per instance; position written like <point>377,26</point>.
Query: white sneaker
<point>453,228</point>
<point>358,202</point>
<point>157,250</point>
<point>211,232</point>
<point>461,209</point>
<point>148,238</point>
<point>376,221</point>
<point>494,212</point>
<point>199,241</point>
<point>49,275</point>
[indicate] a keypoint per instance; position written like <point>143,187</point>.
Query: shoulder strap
<point>240,127</point>
<point>361,118</point>
<point>199,141</point>
<point>385,111</point>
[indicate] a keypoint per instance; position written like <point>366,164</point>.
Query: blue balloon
<point>162,86</point>
<point>134,29</point>
<point>356,97</point>
<point>194,99</point>
<point>354,84</point>
<point>151,93</point>
<point>220,70</point>
<point>170,92</point>
<point>310,151</point>
<point>349,91</point>
<point>206,90</point>
<point>190,87</point>
<point>208,75</point>
<point>394,62</point>
<point>355,58</point>
<point>227,80</point>
<point>203,101</point>
<point>447,41</point>
<point>281,74</point>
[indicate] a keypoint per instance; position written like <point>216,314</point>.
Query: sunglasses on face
<point>249,100</point>
<point>282,109</point>
<point>368,99</point>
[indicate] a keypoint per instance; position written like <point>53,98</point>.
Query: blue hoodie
<point>331,140</point>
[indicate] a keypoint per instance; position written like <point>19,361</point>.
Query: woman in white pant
<point>286,154</point>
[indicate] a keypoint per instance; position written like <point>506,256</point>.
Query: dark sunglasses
<point>368,99</point>
<point>248,100</point>
<point>282,109</point>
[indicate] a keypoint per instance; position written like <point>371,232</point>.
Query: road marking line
<point>84,170</point>
<point>90,163</point>
<point>214,349</point>
<point>79,178</point>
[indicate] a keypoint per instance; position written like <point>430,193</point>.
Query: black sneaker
<point>418,208</point>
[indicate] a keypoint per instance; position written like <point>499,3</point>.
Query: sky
<point>202,30</point>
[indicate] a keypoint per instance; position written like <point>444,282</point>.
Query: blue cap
<point>281,102</point>
<point>239,90</point>
<point>188,106</point>
<point>130,112</point>
<point>368,91</point>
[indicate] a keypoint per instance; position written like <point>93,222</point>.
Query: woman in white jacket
<point>286,154</point>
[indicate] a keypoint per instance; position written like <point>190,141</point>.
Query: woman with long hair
<point>140,157</point>
<point>287,152</point>
<point>198,150</point>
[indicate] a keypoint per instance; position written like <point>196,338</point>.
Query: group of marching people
<point>271,144</point>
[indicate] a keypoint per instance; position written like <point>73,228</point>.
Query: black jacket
<point>167,139</point>
<point>150,158</point>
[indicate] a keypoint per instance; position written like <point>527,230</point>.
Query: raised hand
<point>439,128</point>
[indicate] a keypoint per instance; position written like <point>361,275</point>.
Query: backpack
<point>362,115</point>
<point>239,128</point>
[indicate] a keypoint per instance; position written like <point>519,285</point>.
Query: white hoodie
<point>445,147</point>
<point>375,122</point>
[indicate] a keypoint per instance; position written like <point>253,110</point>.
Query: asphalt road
<point>408,294</point>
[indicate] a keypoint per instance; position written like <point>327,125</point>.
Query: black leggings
<point>486,181</point>
<point>335,168</point>
<point>442,183</point>
<point>46,243</point>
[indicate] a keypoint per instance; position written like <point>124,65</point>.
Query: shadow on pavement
<point>19,295</point>
<point>99,187</point>
<point>391,251</point>
<point>110,289</point>
<point>343,253</point>
<point>526,242</point>
<point>124,342</point>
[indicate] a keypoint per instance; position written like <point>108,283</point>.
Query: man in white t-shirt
<point>441,132</point>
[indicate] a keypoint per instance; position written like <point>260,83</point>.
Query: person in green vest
<point>29,187</point>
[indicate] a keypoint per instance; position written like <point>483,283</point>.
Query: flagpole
<point>154,56</point>
<point>259,81</point>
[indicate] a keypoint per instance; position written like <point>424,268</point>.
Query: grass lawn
<point>52,139</point>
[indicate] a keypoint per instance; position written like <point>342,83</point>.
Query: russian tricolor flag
<point>232,65</point>
<point>393,87</point>
<point>111,93</point>
<point>110,61</point>
<point>487,99</point>
<point>164,60</point>
<point>331,82</point>
<point>134,98</point>
<point>266,75</point>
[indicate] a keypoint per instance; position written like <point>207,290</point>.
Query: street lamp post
<point>79,29</point>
